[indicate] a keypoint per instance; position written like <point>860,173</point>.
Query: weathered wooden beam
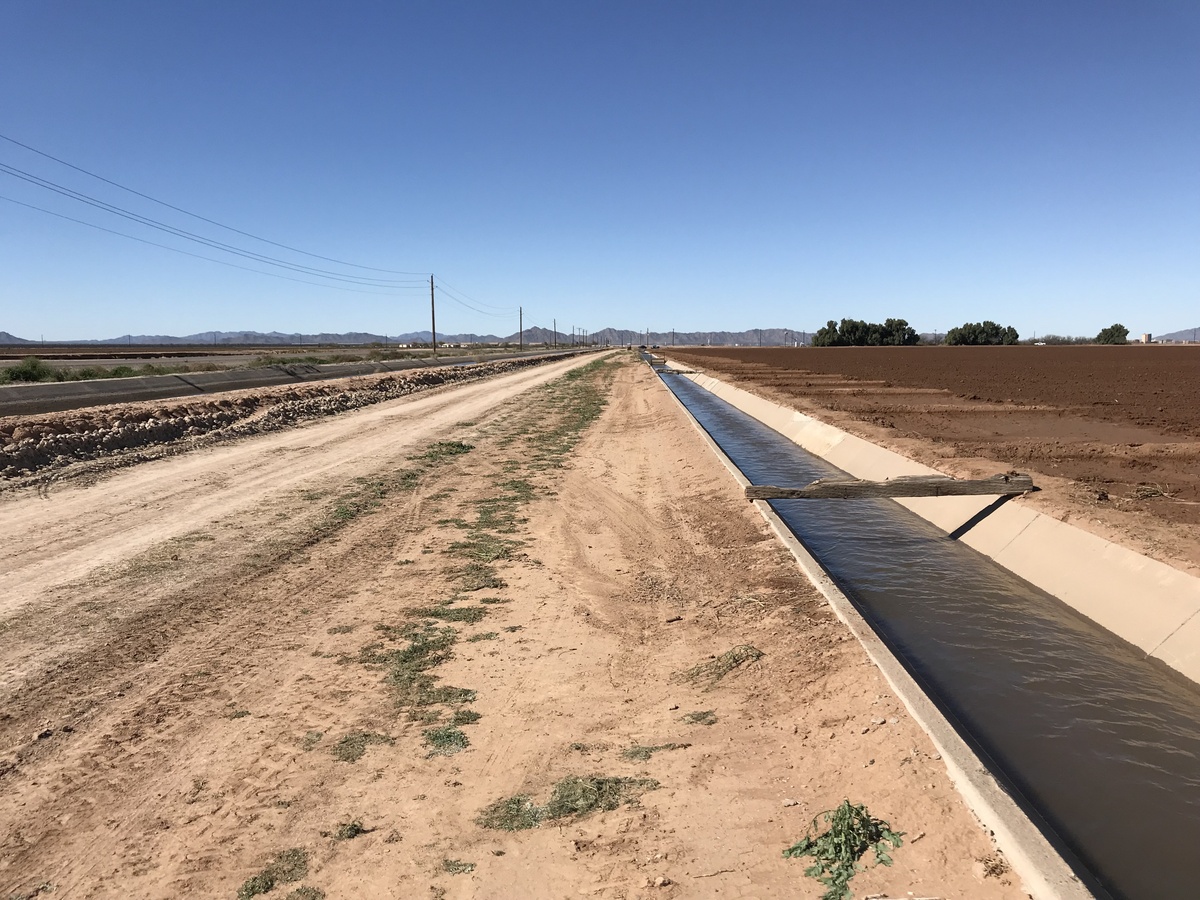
<point>907,486</point>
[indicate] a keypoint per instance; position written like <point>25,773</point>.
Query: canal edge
<point>1043,872</point>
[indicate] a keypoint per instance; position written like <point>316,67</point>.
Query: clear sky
<point>685,165</point>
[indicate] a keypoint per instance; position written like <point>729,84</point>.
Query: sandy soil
<point>1110,434</point>
<point>204,667</point>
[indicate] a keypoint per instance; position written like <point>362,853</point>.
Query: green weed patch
<point>445,741</point>
<point>572,797</point>
<point>479,576</point>
<point>353,746</point>
<point>642,753</point>
<point>288,865</point>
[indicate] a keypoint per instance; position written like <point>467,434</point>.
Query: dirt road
<point>515,638</point>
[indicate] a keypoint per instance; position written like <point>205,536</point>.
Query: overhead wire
<point>220,262</point>
<point>453,296</point>
<point>180,209</point>
<point>187,235</point>
<point>384,285</point>
<point>478,302</point>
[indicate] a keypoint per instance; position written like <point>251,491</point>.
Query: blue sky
<point>681,165</point>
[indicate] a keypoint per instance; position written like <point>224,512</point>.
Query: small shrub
<point>720,666</point>
<point>485,636</point>
<point>30,369</point>
<point>701,717</point>
<point>852,832</point>
<point>457,867</point>
<point>348,831</point>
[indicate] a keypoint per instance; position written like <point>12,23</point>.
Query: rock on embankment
<point>31,444</point>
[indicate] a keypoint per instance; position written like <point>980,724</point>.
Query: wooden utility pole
<point>555,338</point>
<point>432,318</point>
<point>520,328</point>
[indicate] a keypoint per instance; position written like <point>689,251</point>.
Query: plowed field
<point>1111,433</point>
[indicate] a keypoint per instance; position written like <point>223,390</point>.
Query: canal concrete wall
<point>1141,600</point>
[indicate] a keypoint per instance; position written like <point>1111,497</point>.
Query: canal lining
<point>1095,744</point>
<point>1043,872</point>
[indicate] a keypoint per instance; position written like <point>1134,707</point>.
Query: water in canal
<point>1099,745</point>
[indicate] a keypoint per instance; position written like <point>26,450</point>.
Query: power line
<point>482,312</point>
<point>220,262</point>
<point>479,302</point>
<point>200,217</point>
<point>187,235</point>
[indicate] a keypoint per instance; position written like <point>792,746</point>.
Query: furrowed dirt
<point>107,435</point>
<point>359,657</point>
<point>1110,434</point>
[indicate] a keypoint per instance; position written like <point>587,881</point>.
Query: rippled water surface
<point>1100,744</point>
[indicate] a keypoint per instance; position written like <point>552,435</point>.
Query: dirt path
<point>64,533</point>
<point>332,660</point>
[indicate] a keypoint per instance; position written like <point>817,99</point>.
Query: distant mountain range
<point>766,337</point>
<point>754,337</point>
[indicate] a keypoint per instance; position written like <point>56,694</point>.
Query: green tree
<point>857,333</point>
<point>986,332</point>
<point>1113,334</point>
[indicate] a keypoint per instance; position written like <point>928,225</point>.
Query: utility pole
<point>672,337</point>
<point>520,328</point>
<point>555,338</point>
<point>433,318</point>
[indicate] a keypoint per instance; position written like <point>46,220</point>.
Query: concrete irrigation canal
<point>1098,745</point>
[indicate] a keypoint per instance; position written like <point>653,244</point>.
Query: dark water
<point>1098,744</point>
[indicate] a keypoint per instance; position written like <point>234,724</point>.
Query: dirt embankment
<point>529,644</point>
<point>1110,433</point>
<point>30,444</point>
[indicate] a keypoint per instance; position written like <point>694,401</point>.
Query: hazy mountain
<point>1188,334</point>
<point>765,337</point>
<point>755,337</point>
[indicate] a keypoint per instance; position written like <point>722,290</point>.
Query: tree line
<point>898,333</point>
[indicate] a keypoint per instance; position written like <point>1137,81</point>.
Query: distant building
<point>1147,339</point>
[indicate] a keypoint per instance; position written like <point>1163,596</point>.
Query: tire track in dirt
<point>73,530</point>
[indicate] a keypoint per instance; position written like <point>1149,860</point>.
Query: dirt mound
<point>33,444</point>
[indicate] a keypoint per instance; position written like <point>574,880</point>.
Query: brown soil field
<point>1111,434</point>
<point>327,661</point>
